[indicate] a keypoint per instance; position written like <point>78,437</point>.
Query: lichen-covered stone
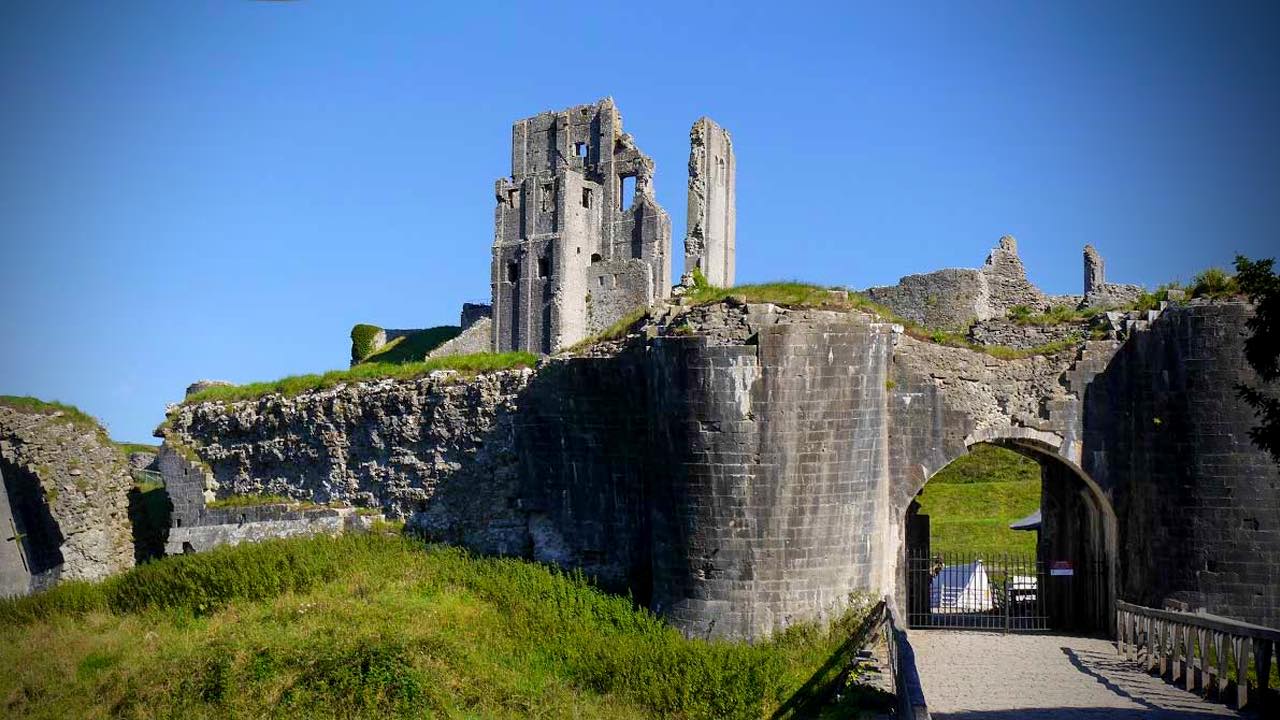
<point>66,488</point>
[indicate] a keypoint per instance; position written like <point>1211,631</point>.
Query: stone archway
<point>1079,529</point>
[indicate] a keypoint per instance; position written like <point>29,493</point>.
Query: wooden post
<point>1220,648</point>
<point>1189,670</point>
<point>1262,659</point>
<point>1203,672</point>
<point>1241,649</point>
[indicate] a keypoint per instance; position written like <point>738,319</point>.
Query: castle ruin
<point>579,238</point>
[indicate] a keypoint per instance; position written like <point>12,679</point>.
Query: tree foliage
<point>1258,280</point>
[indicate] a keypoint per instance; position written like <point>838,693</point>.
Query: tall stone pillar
<point>1094,278</point>
<point>709,236</point>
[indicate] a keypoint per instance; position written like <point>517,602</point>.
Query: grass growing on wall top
<point>414,347</point>
<point>385,626</point>
<point>70,413</point>
<point>971,502</point>
<point>297,384</point>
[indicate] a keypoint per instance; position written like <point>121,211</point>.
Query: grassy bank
<point>380,627</point>
<point>297,384</point>
<point>971,502</point>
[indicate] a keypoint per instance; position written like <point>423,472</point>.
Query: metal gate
<point>1007,592</point>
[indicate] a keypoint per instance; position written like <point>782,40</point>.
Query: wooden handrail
<point>1205,620</point>
<point>1178,646</point>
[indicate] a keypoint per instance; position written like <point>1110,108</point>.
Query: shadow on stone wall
<point>34,525</point>
<point>149,514</point>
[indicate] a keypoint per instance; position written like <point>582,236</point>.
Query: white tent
<point>961,589</point>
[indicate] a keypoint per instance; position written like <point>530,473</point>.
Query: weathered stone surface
<point>742,467</point>
<point>1098,293</point>
<point>475,339</point>
<point>710,239</point>
<point>1007,333</point>
<point>954,298</point>
<point>571,255</point>
<point>386,444</point>
<point>66,502</point>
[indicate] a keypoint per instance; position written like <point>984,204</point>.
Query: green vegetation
<point>787,294</point>
<point>129,448</point>
<point>1056,315</point>
<point>362,341</point>
<point>971,502</point>
<point>70,413</point>
<point>1214,283</point>
<point>961,340</point>
<point>1262,350</point>
<point>376,626</point>
<point>248,500</point>
<point>414,347</point>
<point>290,386</point>
<point>615,331</point>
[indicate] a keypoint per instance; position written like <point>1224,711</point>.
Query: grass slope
<point>384,626</point>
<point>414,348</point>
<point>971,502</point>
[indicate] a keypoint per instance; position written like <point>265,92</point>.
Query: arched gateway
<point>1068,583</point>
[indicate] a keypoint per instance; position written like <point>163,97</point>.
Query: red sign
<point>1061,568</point>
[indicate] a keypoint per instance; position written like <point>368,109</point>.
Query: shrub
<point>1214,283</point>
<point>362,337</point>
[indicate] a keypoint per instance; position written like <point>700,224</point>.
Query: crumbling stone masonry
<point>952,298</point>
<point>709,243</point>
<point>64,512</point>
<point>579,239</point>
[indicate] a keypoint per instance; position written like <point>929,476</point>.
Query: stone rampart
<point>742,467</point>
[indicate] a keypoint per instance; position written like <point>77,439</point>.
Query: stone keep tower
<point>579,239</point>
<point>709,239</point>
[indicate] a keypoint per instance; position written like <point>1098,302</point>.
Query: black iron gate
<point>1007,592</point>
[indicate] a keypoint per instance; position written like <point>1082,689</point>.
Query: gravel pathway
<point>988,676</point>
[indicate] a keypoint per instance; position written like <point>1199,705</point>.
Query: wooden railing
<point>1205,653</point>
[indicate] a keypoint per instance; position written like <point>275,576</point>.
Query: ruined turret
<point>709,239</point>
<point>579,238</point>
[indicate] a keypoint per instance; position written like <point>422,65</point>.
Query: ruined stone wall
<point>66,491</point>
<point>953,298</point>
<point>391,445</point>
<point>571,253</point>
<point>1198,503</point>
<point>475,339</point>
<point>741,467</point>
<point>710,243</point>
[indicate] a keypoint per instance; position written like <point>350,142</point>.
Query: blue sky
<point>221,189</point>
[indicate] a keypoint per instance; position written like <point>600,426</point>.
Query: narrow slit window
<point>544,268</point>
<point>580,149</point>
<point>627,191</point>
<point>586,197</point>
<point>513,271</point>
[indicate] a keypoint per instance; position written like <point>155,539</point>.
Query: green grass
<point>70,413</point>
<point>297,384</point>
<point>414,348</point>
<point>130,448</point>
<point>384,626</point>
<point>971,502</point>
<point>249,500</point>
